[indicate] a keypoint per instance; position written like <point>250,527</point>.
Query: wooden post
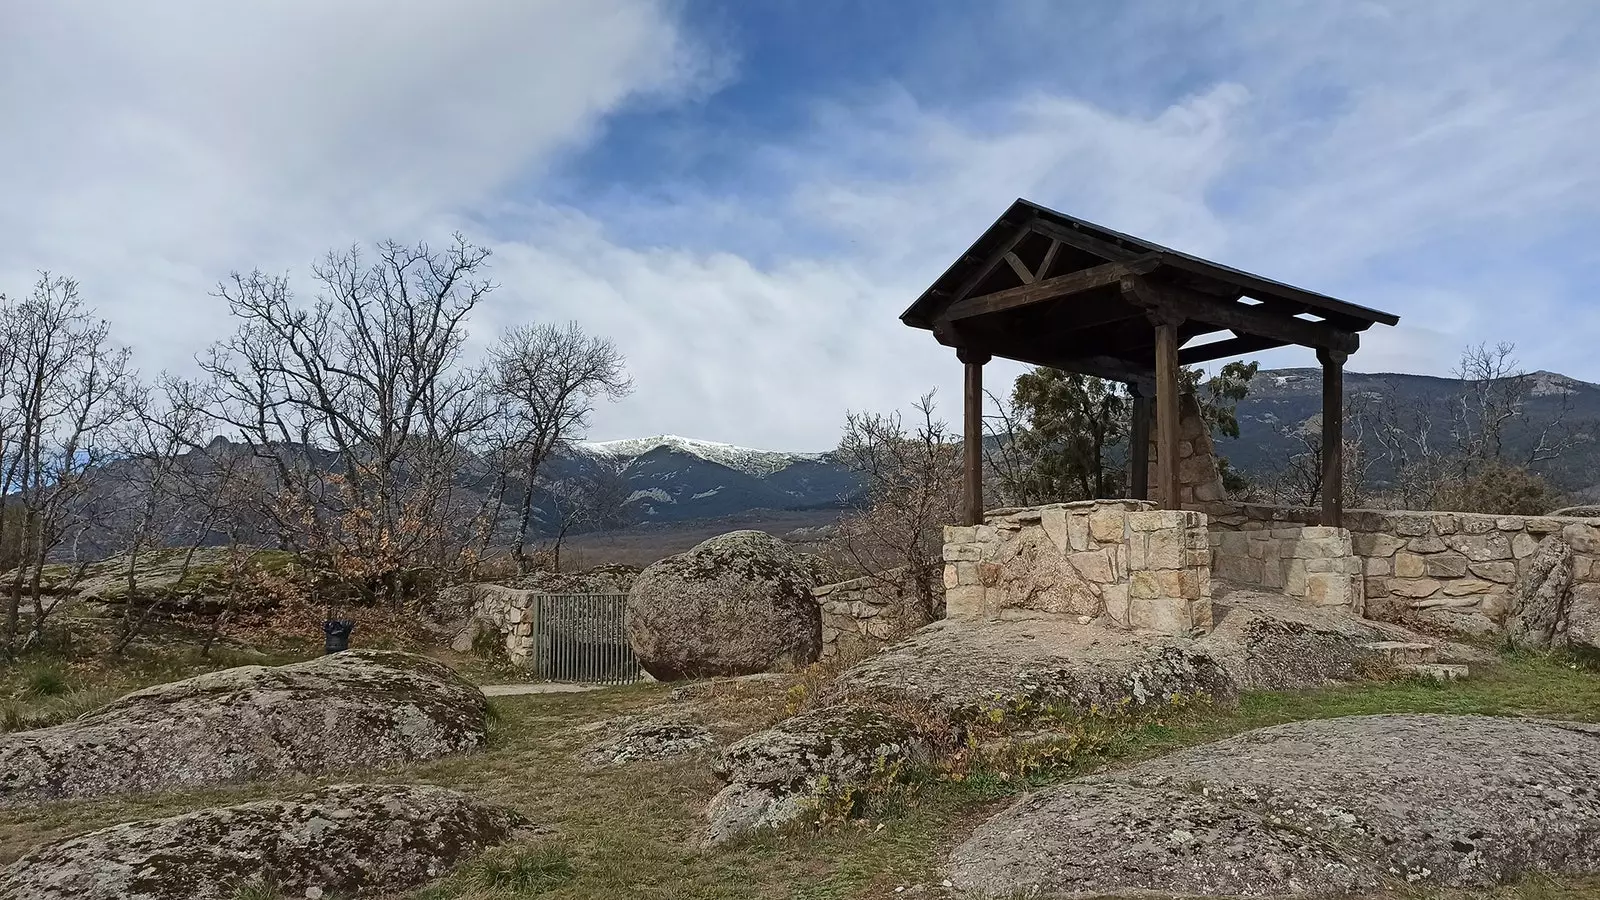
<point>1332,436</point>
<point>1167,414</point>
<point>1139,446</point>
<point>972,437</point>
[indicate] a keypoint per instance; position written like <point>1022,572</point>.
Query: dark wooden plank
<point>1021,270</point>
<point>972,438</point>
<point>1245,320</point>
<point>977,275</point>
<point>1167,415</point>
<point>1234,346</point>
<point>1040,291</point>
<point>1139,448</point>
<point>1085,242</point>
<point>1332,437</point>
<point>1049,259</point>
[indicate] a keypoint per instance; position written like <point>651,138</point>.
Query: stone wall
<point>867,612</point>
<point>1312,563</point>
<point>1199,477</point>
<point>1120,561</point>
<point>500,610</point>
<point>1457,569</point>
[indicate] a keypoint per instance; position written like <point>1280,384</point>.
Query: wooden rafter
<point>1022,271</point>
<point>1244,320</point>
<point>1042,290</point>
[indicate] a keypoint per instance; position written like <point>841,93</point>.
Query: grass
<point>628,833</point>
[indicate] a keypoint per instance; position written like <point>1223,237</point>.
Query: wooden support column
<point>972,437</point>
<point>1167,413</point>
<point>1332,436</point>
<point>1139,446</point>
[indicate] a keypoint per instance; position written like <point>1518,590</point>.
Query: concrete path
<point>538,687</point>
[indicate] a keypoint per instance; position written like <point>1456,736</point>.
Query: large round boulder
<point>351,710</point>
<point>737,604</point>
<point>345,840</point>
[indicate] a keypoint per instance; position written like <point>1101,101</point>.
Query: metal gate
<point>582,637</point>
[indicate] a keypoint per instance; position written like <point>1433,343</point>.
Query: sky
<point>744,195</point>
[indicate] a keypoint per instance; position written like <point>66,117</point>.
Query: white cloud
<point>155,148</point>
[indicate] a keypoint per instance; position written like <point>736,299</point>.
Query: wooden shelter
<point>1045,288</point>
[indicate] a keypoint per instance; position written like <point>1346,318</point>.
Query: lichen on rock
<point>343,840</point>
<point>773,777</point>
<point>352,710</point>
<point>1325,807</point>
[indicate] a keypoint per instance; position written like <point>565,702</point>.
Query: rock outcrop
<point>648,740</point>
<point>737,604</point>
<point>772,777</point>
<point>1318,807</point>
<point>352,710</point>
<point>1540,596</point>
<point>344,840</point>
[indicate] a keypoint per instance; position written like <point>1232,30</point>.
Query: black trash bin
<point>338,635</point>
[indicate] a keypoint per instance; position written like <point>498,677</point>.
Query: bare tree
<point>358,405</point>
<point>592,499</point>
<point>912,487</point>
<point>68,384</point>
<point>546,379</point>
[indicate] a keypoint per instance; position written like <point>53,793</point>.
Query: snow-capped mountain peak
<point>748,460</point>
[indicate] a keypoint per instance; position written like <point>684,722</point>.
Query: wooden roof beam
<point>1234,346</point>
<point>1244,320</point>
<point>1045,289</point>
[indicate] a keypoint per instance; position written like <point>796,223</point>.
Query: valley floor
<point>628,832</point>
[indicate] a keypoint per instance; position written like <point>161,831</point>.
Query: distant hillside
<point>1283,401</point>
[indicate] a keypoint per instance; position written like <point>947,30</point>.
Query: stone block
<point>1138,546</point>
<point>963,552</point>
<point>1426,544</point>
<point>1196,539</point>
<point>1375,587</point>
<point>1185,449</point>
<point>965,602</point>
<point>1542,525</point>
<point>1410,525</point>
<point>1373,566</point>
<point>1509,523</point>
<point>960,534</point>
<point>1376,544</point>
<point>1197,558</point>
<point>1166,550</point>
<point>989,574</point>
<point>1288,534</point>
<point>1257,549</point>
<point>1272,574</point>
<point>1208,491</point>
<point>1116,601</point>
<point>1078,531</point>
<point>951,578</point>
<point>1094,565</point>
<point>1415,588</point>
<point>1242,569</point>
<point>1166,615</point>
<point>1501,572</point>
<point>881,629</point>
<point>1317,566</point>
<point>1523,545</point>
<point>1583,538</point>
<point>1409,565</point>
<point>1444,565</point>
<point>1466,587</point>
<point>1155,520</point>
<point>1107,524</point>
<point>1481,548</point>
<point>1143,585</point>
<point>1327,589</point>
<point>985,534</point>
<point>1477,525</point>
<point>1446,523</point>
<point>1053,522</point>
<point>1294,578</point>
<point>1193,584</point>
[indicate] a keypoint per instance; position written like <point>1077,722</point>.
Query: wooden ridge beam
<point>1245,320</point>
<point>1045,289</point>
<point>995,257</point>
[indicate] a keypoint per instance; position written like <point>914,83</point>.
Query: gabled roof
<point>1106,245</point>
